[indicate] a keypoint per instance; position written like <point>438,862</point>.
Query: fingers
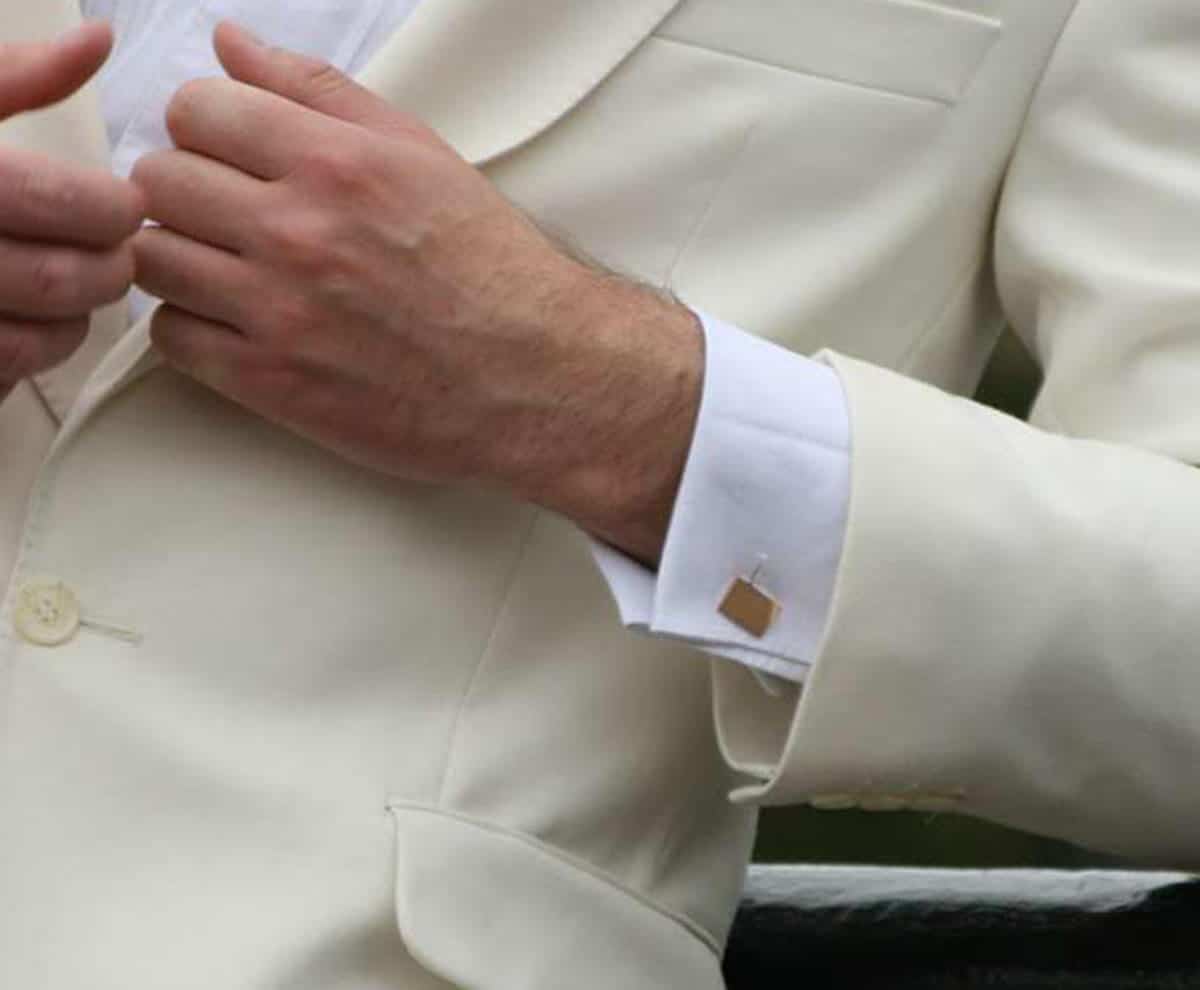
<point>212,354</point>
<point>27,348</point>
<point>49,291</point>
<point>39,74</point>
<point>46,200</point>
<point>276,108</point>
<point>46,282</point>
<point>252,130</point>
<point>203,280</point>
<point>197,196</point>
<point>309,82</point>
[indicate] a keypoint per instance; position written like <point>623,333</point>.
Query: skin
<point>65,230</point>
<point>329,263</point>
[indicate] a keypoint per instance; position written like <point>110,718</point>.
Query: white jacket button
<point>46,613</point>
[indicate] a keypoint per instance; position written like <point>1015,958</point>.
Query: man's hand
<point>331,264</point>
<point>65,230</point>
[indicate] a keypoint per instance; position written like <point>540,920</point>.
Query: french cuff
<point>763,500</point>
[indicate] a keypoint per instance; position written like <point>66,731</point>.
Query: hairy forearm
<point>407,316</point>
<point>610,448</point>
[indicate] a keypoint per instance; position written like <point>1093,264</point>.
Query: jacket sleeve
<point>1015,629</point>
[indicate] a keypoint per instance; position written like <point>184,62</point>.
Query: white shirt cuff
<point>766,489</point>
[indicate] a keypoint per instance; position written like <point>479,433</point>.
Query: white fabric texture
<point>764,495</point>
<point>1013,625</point>
<point>160,46</point>
<point>768,476</point>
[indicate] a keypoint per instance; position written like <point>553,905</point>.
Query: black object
<point>867,928</point>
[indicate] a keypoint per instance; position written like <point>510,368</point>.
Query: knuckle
<point>289,243</point>
<point>54,278</point>
<point>321,78</point>
<point>47,191</point>
<point>290,320</point>
<point>409,125</point>
<point>297,244</point>
<point>341,167</point>
<point>277,378</point>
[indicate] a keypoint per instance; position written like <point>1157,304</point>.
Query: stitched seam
<point>35,515</point>
<point>1036,89</point>
<point>1034,92</point>
<point>43,398</point>
<point>1043,406</point>
<point>41,501</point>
<point>938,321</point>
<point>567,859</point>
<point>706,214</point>
<point>955,13</point>
<point>918,344</point>
<point>630,42</point>
<point>480,661</point>
<point>809,73</point>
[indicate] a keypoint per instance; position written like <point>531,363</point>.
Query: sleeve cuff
<point>766,489</point>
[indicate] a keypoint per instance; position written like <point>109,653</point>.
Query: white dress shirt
<point>764,496</point>
<point>766,489</point>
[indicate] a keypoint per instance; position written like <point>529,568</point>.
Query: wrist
<point>612,456</point>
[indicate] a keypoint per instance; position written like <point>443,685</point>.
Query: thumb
<point>36,74</point>
<point>309,82</point>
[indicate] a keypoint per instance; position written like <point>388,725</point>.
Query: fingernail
<point>245,33</point>
<point>251,36</point>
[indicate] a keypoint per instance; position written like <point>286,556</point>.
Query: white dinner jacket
<point>361,733</point>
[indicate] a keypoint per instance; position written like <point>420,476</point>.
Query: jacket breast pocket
<point>916,48</point>
<point>484,907</point>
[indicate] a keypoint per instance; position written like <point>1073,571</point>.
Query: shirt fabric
<point>767,483</point>
<point>764,496</point>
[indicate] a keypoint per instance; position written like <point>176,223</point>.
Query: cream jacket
<point>320,730</point>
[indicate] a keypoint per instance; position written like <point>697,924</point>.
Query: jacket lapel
<point>489,75</point>
<point>74,131</point>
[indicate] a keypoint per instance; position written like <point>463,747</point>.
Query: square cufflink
<point>749,607</point>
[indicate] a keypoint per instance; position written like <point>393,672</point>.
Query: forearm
<point>607,448</point>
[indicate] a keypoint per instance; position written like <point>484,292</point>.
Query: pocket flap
<point>492,909</point>
<point>910,47</point>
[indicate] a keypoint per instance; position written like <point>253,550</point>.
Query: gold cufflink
<point>748,606</point>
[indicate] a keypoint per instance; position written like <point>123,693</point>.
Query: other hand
<point>328,262</point>
<point>65,230</point>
